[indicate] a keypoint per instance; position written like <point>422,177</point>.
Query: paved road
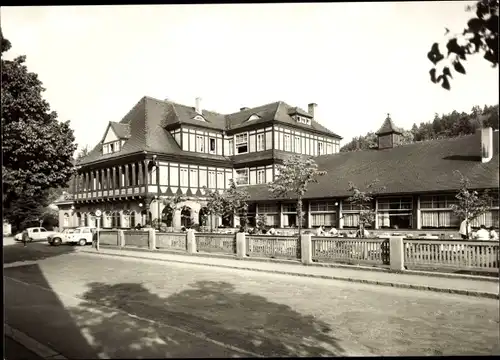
<point>86,307</point>
<point>15,351</point>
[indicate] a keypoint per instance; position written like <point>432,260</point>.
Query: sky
<point>357,61</point>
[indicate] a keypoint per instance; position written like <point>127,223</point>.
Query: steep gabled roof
<point>277,111</point>
<point>146,123</point>
<point>182,114</point>
<point>418,167</point>
<point>122,131</point>
<point>265,112</point>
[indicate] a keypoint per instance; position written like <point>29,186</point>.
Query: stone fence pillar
<point>152,238</point>
<point>397,255</point>
<point>241,245</point>
<point>305,249</point>
<point>121,238</point>
<point>191,242</point>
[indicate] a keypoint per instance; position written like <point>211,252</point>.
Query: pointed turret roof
<point>388,127</point>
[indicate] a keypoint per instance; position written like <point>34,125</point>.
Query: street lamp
<point>157,197</point>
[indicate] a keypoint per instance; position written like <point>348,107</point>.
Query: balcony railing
<point>103,193</point>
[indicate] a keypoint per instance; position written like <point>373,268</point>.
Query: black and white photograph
<point>219,180</point>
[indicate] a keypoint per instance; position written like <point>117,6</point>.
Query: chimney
<point>244,108</point>
<point>486,144</point>
<point>310,109</point>
<point>198,106</point>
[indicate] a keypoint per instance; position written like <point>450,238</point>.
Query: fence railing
<point>136,238</point>
<point>221,243</point>
<point>447,255</point>
<point>109,237</point>
<point>452,254</point>
<point>175,241</point>
<point>273,246</point>
<point>350,250</point>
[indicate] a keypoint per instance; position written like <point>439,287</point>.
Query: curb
<point>314,264</point>
<point>328,277</point>
<point>31,344</point>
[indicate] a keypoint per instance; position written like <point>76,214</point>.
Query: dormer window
<point>199,118</point>
<point>254,117</point>
<point>111,147</point>
<point>303,120</point>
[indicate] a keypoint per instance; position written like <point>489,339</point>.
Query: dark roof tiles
<point>418,167</point>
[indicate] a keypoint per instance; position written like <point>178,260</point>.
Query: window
<point>86,231</point>
<point>212,145</point>
<point>112,147</point>
<point>242,177</point>
<point>184,177</point>
<point>287,142</point>
<point>194,178</point>
<point>261,176</point>
<point>270,212</point>
<point>211,179</point>
<point>220,180</point>
<point>241,143</point>
<point>43,230</point>
<point>320,148</point>
<point>323,213</point>
<point>230,147</point>
<point>200,146</point>
<point>329,148</point>
<point>297,144</point>
<point>260,142</point>
<point>436,213</point>
<point>66,220</point>
<point>395,213</point>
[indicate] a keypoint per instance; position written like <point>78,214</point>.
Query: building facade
<point>161,149</point>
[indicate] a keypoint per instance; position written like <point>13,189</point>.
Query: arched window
<point>186,217</point>
<point>145,217</point>
<point>126,219</point>
<point>203,216</point>
<point>167,215</point>
<point>132,219</point>
<point>107,219</point>
<point>66,220</point>
<point>91,220</point>
<point>79,219</point>
<point>115,220</point>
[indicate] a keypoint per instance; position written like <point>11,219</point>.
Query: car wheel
<point>56,242</point>
<point>82,242</point>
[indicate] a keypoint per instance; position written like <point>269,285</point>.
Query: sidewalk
<point>458,284</point>
<point>19,346</point>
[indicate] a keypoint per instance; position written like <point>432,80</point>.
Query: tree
<point>215,204</point>
<point>470,204</point>
<point>25,211</point>
<point>295,175</point>
<point>260,222</point>
<point>480,36</point>
<point>363,201</point>
<point>236,203</point>
<point>233,201</point>
<point>171,205</point>
<point>82,153</point>
<point>37,148</point>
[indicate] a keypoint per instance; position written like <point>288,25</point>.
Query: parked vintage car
<point>35,234</point>
<point>81,236</point>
